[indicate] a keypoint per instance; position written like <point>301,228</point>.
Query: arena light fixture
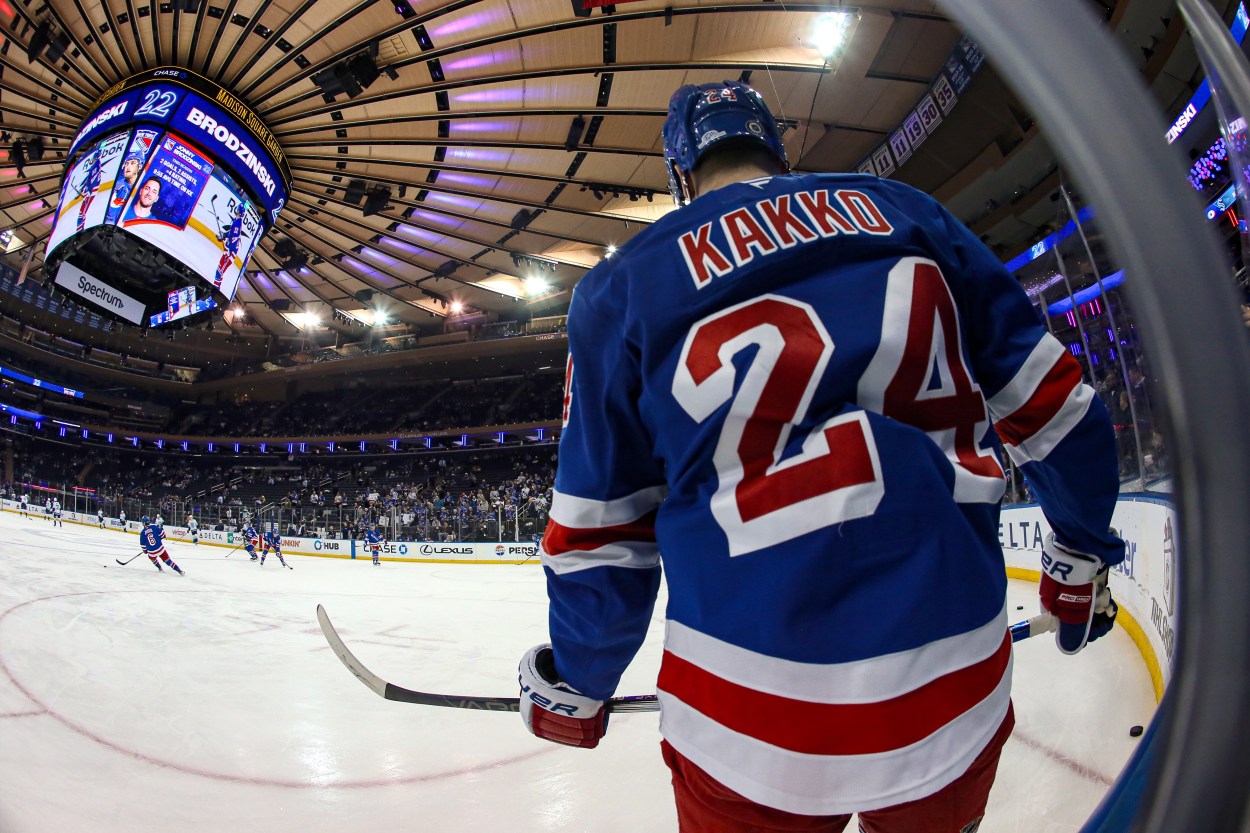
<point>830,32</point>
<point>535,286</point>
<point>456,307</point>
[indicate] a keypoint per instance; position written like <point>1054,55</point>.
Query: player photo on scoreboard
<point>168,189</point>
<point>132,166</point>
<point>85,189</point>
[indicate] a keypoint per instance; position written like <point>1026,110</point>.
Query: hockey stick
<point>1042,623</point>
<point>640,703</point>
<point>128,560</point>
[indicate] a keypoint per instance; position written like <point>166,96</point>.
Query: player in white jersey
<point>56,513</point>
<point>160,522</point>
<point>193,527</point>
<point>99,515</point>
<point>121,516</point>
<point>25,511</point>
<point>47,509</point>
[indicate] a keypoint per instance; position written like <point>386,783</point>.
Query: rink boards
<point>1144,585</point>
<point>506,552</point>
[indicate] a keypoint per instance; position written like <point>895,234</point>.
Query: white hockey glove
<point>1074,590</point>
<point>552,709</point>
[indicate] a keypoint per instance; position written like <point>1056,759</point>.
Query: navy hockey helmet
<point>704,115</point>
<point>144,520</point>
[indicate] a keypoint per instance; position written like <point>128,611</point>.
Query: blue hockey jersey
<point>788,390</point>
<point>152,539</point>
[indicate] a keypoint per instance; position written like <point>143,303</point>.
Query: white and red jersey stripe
<point>584,533</point>
<point>824,739</point>
<point>1042,403</point>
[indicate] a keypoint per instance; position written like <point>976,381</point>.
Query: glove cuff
<point>551,693</point>
<point>1067,566</point>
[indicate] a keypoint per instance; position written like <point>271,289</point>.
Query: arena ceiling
<point>518,139</point>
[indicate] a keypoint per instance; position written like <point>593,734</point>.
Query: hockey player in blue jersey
<point>272,540</point>
<point>374,540</point>
<point>124,185</point>
<point>152,539</point>
<point>87,189</point>
<point>788,389</point>
<point>251,540</point>
<point>230,239</point>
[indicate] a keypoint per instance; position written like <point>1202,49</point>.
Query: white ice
<point>136,701</point>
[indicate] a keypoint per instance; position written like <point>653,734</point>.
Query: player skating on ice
<point>230,239</point>
<point>374,540</point>
<point>47,509</point>
<point>87,189</point>
<point>160,522</point>
<point>250,540</point>
<point>25,513</point>
<point>193,527</point>
<point>836,637</point>
<point>152,539</point>
<point>121,517</point>
<point>99,514</point>
<point>56,513</point>
<point>272,540</point>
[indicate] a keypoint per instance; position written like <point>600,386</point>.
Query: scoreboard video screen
<point>170,170</point>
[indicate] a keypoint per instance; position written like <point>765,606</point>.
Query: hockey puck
<point>1135,732</point>
<point>1019,607</point>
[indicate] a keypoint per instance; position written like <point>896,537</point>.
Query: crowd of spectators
<point>362,409</point>
<point>471,495</point>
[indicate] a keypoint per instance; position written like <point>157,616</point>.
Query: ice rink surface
<point>133,701</point>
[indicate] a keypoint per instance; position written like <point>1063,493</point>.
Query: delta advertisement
<point>187,206</point>
<point>84,203</point>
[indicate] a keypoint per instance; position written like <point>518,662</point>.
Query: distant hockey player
<point>121,517</point>
<point>230,239</point>
<point>56,513</point>
<point>273,540</point>
<point>47,509</point>
<point>99,514</point>
<point>374,539</point>
<point>250,540</point>
<point>25,511</point>
<point>160,522</point>
<point>90,185</point>
<point>152,539</point>
<point>801,429</point>
<point>193,527</point>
